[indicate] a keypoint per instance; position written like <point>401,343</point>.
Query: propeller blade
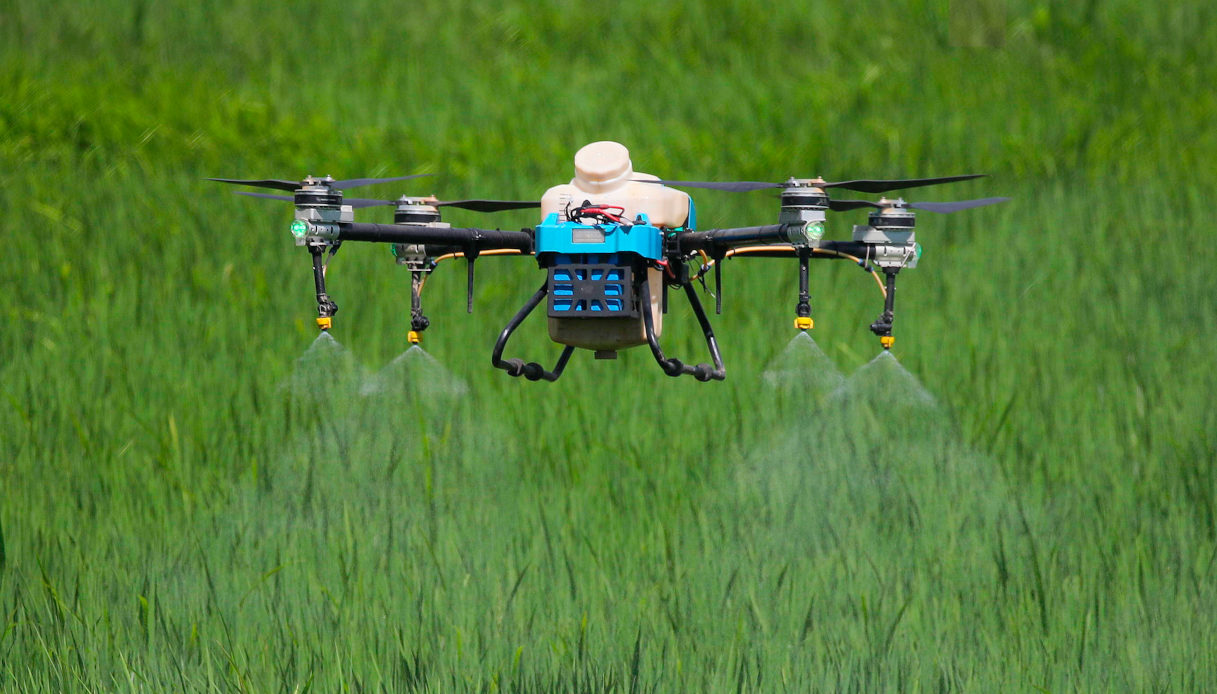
<point>276,183</point>
<point>356,182</point>
<point>280,184</point>
<point>731,186</point>
<point>881,186</point>
<point>489,205</point>
<point>860,185</point>
<point>945,207</point>
<point>846,205</point>
<point>359,203</point>
<point>265,195</point>
<point>942,207</point>
<point>353,202</point>
<point>477,205</point>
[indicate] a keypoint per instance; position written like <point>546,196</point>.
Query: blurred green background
<point>188,503</point>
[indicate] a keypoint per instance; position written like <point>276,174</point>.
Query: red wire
<point>604,210</point>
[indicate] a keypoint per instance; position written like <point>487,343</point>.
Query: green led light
<point>917,249</point>
<point>299,228</point>
<point>804,234</point>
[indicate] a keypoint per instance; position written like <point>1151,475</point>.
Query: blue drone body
<point>591,265</point>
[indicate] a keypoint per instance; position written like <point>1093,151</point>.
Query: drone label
<point>587,235</point>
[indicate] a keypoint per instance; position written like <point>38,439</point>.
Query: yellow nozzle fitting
<point>887,341</point>
<point>325,322</point>
<point>413,337</point>
<point>804,323</point>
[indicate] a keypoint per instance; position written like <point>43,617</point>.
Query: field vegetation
<point>196,495</point>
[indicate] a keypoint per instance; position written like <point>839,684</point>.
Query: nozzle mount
<point>883,324</point>
<point>802,311</point>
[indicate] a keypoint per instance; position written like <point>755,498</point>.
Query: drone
<point>612,242</point>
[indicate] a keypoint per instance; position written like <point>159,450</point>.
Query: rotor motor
<point>889,235</point>
<point>894,220</point>
<point>415,211</point>
<point>804,205</point>
<point>319,210</point>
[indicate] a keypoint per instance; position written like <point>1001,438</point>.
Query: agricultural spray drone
<point>612,242</point>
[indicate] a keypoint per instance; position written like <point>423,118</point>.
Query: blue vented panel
<point>591,291</point>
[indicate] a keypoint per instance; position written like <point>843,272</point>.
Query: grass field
<point>196,496</point>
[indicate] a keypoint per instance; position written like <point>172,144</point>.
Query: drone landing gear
<point>883,324</point>
<point>326,308</point>
<point>675,367</point>
<point>516,367</point>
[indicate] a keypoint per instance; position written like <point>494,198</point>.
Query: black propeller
<point>861,185</point>
<point>477,205</point>
<point>942,207</point>
<point>280,184</point>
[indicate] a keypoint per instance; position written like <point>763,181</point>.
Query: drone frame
<point>420,240</point>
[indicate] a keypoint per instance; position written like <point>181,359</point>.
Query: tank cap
<point>603,164</point>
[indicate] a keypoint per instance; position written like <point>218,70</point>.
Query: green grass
<point>184,506</point>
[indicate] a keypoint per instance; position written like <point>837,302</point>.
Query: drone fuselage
<point>602,237</point>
